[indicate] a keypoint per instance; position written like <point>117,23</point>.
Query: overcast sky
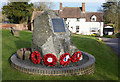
<point>90,5</point>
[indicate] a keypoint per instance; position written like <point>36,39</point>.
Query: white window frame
<point>77,29</point>
<point>78,19</point>
<point>93,18</point>
<point>94,28</point>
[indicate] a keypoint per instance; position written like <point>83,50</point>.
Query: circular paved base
<point>81,68</point>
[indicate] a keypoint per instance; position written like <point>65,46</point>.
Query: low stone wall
<point>86,68</point>
<point>15,26</point>
<point>68,72</point>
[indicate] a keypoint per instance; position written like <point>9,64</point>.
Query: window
<point>67,25</point>
<point>78,19</point>
<point>65,19</point>
<point>93,18</point>
<point>93,29</point>
<point>77,28</point>
<point>109,29</point>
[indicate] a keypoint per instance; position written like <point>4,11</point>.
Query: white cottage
<point>81,22</point>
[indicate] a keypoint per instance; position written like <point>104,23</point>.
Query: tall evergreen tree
<point>18,12</point>
<point>111,13</point>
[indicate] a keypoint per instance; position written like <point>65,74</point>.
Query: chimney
<point>83,7</point>
<point>60,6</point>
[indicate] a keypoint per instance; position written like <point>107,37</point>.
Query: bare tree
<point>42,6</point>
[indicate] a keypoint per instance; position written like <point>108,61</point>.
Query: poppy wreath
<point>36,60</point>
<point>49,59</point>
<point>62,59</point>
<point>76,56</point>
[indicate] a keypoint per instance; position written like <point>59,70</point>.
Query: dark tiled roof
<point>70,12</point>
<point>75,12</point>
<point>99,16</point>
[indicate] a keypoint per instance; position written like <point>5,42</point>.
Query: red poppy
<point>76,56</point>
<point>65,59</point>
<point>37,59</point>
<point>49,59</point>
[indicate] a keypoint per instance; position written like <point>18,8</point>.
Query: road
<point>114,43</point>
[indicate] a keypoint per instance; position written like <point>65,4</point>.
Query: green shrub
<point>117,35</point>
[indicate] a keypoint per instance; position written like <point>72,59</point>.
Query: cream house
<point>81,22</point>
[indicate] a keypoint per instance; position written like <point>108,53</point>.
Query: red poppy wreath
<point>76,56</point>
<point>65,59</point>
<point>49,59</point>
<point>36,57</point>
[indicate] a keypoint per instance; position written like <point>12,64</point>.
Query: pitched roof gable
<point>76,12</point>
<point>99,16</point>
<point>70,12</point>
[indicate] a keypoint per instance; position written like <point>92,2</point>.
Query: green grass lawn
<point>106,65</point>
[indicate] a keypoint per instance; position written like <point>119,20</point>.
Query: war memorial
<point>52,51</point>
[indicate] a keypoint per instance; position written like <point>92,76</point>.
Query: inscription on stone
<point>58,25</point>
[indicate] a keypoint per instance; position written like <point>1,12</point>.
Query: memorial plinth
<point>84,67</point>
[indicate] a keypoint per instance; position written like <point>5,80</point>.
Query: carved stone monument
<point>50,35</point>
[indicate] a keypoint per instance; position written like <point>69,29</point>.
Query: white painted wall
<point>84,27</point>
